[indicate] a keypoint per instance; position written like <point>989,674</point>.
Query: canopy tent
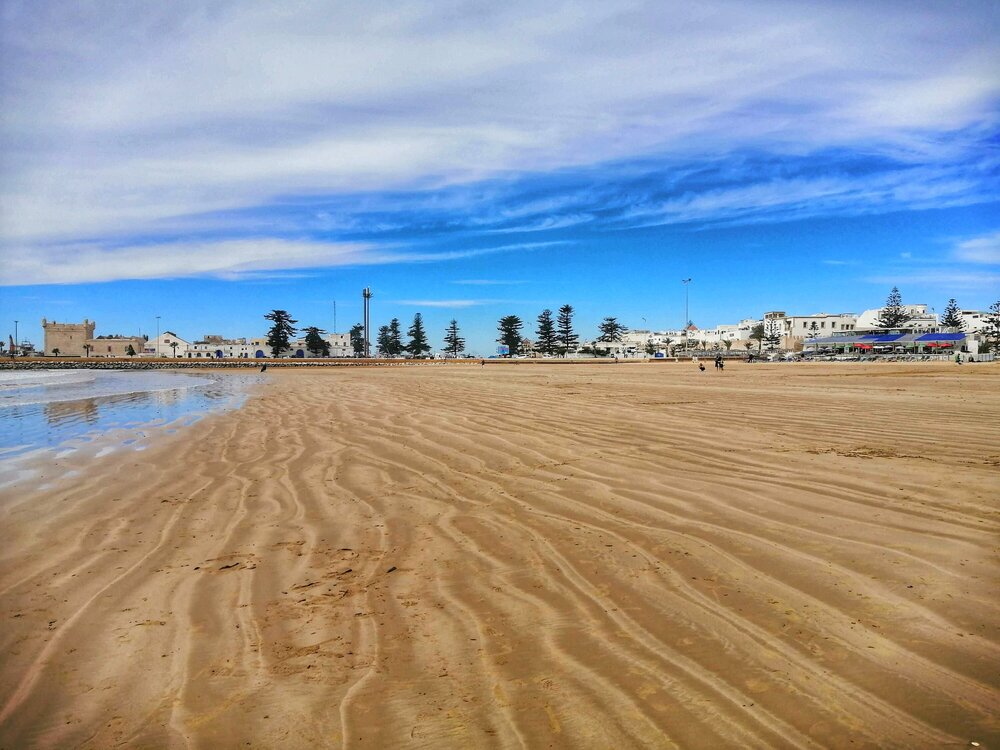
<point>953,338</point>
<point>886,341</point>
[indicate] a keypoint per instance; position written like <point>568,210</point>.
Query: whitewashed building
<point>921,319</point>
<point>163,346</point>
<point>796,329</point>
<point>973,321</point>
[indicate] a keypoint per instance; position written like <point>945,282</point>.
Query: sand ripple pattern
<point>521,557</point>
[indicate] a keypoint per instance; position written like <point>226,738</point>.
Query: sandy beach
<point>535,556</point>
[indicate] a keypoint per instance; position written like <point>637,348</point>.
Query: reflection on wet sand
<point>27,427</point>
<point>84,410</point>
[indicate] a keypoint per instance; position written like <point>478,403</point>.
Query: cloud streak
<point>985,249</point>
<point>188,131</point>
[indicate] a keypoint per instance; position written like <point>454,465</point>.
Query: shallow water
<point>62,409</point>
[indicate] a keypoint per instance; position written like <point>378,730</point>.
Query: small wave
<point>46,390</point>
<point>17,379</point>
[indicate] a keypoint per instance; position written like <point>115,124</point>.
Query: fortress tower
<point>68,338</point>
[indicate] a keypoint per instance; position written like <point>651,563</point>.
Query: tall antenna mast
<point>367,295</point>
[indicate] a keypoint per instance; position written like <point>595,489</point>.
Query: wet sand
<point>591,556</point>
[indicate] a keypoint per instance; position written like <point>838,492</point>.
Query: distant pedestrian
<point>263,367</point>
<point>482,363</point>
<point>722,364</point>
<point>701,367</point>
<point>718,361</point>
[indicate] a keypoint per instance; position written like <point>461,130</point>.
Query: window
<point>833,324</point>
<point>823,324</point>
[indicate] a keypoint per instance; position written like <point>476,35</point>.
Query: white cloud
<point>985,249</point>
<point>457,303</point>
<point>251,259</point>
<point>943,280</point>
<point>119,117</point>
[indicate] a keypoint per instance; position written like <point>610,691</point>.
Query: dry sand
<point>528,556</point>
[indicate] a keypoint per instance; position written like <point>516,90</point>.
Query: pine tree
<point>454,344</point>
<point>611,331</point>
<point>952,315</point>
<point>383,342</point>
<point>510,333</point>
<point>315,343</point>
<point>418,345</point>
<point>772,335</point>
<point>547,340</point>
<point>395,338</point>
<point>281,332</point>
<point>991,328</point>
<point>358,339</point>
<point>130,351</point>
<point>564,325</point>
<point>893,315</point>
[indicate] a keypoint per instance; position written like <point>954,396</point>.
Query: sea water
<point>61,410</point>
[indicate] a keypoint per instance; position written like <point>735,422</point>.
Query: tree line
<point>555,333</point>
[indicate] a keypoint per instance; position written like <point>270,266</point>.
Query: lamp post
<point>685,282</point>
<point>17,345</point>
<point>157,336</point>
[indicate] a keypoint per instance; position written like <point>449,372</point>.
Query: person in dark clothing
<point>263,367</point>
<point>718,361</point>
<point>701,366</point>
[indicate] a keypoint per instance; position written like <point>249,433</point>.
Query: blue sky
<point>467,160</point>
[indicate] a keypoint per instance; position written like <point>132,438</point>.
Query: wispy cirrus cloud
<point>455,303</point>
<point>204,128</point>
<point>943,280</point>
<point>246,259</point>
<point>985,249</point>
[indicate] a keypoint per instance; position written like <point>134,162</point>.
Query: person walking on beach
<point>718,361</point>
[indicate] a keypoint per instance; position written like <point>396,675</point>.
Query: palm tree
<point>174,345</point>
<point>87,348</point>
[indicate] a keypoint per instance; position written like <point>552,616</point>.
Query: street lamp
<point>17,345</point>
<point>157,336</point>
<point>685,282</point>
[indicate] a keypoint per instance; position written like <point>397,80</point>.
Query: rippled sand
<point>592,556</point>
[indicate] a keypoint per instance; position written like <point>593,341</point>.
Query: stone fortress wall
<point>72,338</point>
<point>68,338</point>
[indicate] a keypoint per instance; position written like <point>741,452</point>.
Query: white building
<point>216,347</point>
<point>163,346</point>
<point>795,329</point>
<point>921,319</point>
<point>212,346</point>
<point>973,321</point>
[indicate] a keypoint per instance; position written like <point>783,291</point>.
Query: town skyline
<point>922,316</point>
